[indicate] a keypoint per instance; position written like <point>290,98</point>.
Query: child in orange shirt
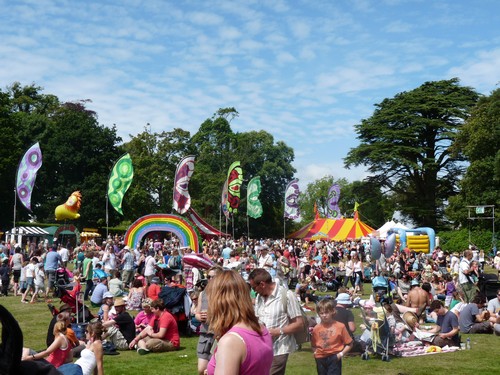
<point>330,339</point>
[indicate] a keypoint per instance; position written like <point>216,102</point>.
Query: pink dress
<point>259,356</point>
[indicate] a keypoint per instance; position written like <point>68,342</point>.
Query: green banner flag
<point>119,181</point>
<point>254,207</point>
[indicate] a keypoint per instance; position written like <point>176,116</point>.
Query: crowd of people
<point>251,301</point>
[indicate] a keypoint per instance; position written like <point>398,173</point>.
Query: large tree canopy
<point>77,153</point>
<point>479,141</point>
<point>406,146</point>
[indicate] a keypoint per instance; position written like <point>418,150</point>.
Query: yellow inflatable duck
<point>69,210</point>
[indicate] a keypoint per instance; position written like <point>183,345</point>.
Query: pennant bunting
<point>292,200</point>
<point>182,200</point>
<point>120,179</point>
<point>254,207</point>
<point>26,174</point>
<point>234,181</point>
<point>332,203</point>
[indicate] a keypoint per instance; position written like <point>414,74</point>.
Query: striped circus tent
<point>331,229</point>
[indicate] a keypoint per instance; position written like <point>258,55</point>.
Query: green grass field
<point>482,359</point>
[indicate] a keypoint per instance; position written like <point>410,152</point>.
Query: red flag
<point>316,213</point>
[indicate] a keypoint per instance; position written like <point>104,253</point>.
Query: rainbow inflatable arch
<point>177,225</point>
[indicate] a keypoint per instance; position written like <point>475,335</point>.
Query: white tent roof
<point>382,231</point>
<point>28,231</point>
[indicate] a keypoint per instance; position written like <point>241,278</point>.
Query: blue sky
<point>305,71</point>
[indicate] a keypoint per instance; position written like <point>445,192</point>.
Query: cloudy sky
<point>306,71</point>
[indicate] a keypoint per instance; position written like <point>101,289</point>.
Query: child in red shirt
<point>154,289</point>
<point>330,339</point>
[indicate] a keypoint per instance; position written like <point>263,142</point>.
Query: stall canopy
<point>206,230</point>
<point>331,229</point>
<point>18,233</point>
<point>384,229</point>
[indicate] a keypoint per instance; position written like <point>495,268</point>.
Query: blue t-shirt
<point>52,260</point>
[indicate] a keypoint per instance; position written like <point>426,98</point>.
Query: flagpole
<point>284,227</point>
<point>15,206</point>
<point>107,215</point>
<point>248,228</point>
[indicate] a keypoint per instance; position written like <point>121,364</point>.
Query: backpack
<point>303,334</point>
<point>173,262</point>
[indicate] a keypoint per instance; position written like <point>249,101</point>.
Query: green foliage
<point>216,147</point>
<point>459,240</point>
<point>155,157</point>
<point>406,146</point>
<point>479,141</point>
<point>373,208</point>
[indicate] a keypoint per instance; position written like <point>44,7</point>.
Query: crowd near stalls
<point>147,297</point>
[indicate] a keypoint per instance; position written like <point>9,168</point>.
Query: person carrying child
<point>330,340</point>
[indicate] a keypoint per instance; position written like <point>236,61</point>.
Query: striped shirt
<point>271,312</point>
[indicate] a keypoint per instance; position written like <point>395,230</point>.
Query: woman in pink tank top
<point>245,347</point>
<point>58,353</point>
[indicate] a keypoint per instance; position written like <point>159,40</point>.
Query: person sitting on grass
<point>472,320</point>
<point>330,339</point>
<point>91,359</point>
<point>144,317</point>
<point>162,333</point>
<point>58,353</point>
<point>120,329</point>
<point>446,326</point>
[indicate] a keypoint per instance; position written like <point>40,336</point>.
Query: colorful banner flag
<point>26,174</point>
<point>332,202</point>
<point>254,207</point>
<point>292,200</point>
<point>234,181</point>
<point>120,179</point>
<point>182,200</point>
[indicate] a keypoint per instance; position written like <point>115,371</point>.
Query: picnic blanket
<point>416,348</point>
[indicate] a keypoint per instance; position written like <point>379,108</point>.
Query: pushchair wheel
<point>385,358</point>
<point>323,288</point>
<point>365,356</point>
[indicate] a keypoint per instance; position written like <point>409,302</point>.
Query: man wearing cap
<point>98,293</point>
<point>50,331</point>
<point>265,259</point>
<point>120,329</point>
<point>446,326</point>
<point>107,303</point>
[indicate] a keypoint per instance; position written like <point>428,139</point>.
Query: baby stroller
<point>63,278</point>
<point>378,336</point>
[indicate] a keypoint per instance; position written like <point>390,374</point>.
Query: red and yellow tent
<point>339,230</point>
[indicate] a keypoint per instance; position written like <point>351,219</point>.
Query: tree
<point>155,157</point>
<point>216,147</point>
<point>373,209</point>
<point>479,142</point>
<point>406,146</point>
<point>77,153</point>
<point>261,156</point>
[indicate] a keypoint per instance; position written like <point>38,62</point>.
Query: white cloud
<point>481,71</point>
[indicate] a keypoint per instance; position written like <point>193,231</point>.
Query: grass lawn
<point>482,359</point>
